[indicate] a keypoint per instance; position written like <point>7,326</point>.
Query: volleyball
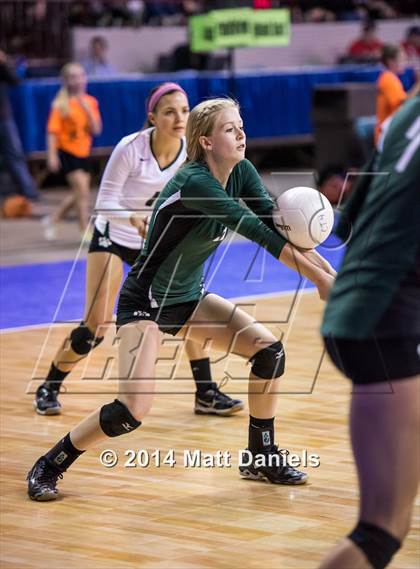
<point>16,206</point>
<point>304,217</point>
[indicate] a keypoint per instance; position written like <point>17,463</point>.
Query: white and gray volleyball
<point>303,216</point>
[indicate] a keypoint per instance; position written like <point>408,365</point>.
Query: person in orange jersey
<point>73,121</point>
<point>391,92</point>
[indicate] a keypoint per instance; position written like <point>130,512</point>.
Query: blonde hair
<point>201,123</point>
<point>62,99</point>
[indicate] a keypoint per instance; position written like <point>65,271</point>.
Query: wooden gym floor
<point>180,517</point>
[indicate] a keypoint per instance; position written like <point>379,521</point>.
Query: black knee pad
<point>269,362</point>
<point>82,340</point>
<point>115,419</point>
<point>377,544</point>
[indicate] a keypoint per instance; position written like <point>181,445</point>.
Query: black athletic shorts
<point>170,319</point>
<point>70,162</point>
<point>375,360</point>
<point>101,243</point>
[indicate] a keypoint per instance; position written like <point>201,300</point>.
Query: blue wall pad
<point>54,292</point>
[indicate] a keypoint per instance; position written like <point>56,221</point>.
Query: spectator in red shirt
<point>368,47</point>
<point>411,44</point>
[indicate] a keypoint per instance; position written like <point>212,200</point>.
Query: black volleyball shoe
<point>42,481</point>
<point>46,401</point>
<point>215,402</point>
<point>272,466</point>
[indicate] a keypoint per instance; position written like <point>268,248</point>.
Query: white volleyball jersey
<point>132,178</point>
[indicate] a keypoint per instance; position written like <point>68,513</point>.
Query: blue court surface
<point>54,292</point>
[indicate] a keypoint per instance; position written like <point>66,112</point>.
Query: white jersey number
<point>413,134</point>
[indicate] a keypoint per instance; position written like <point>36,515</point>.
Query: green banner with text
<point>239,27</point>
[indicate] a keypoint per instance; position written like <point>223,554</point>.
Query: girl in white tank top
<point>132,179</point>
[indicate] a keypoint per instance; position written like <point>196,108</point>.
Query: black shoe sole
<point>249,475</point>
<point>46,497</point>
<point>49,411</point>
<point>199,410</point>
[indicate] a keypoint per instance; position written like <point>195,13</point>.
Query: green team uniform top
<point>377,290</point>
<point>189,221</point>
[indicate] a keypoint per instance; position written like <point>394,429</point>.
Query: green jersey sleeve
<point>255,195</point>
<point>203,193</point>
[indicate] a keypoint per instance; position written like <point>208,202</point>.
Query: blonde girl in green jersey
<point>164,293</point>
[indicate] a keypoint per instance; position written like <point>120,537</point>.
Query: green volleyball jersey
<point>190,219</point>
<point>378,285</point>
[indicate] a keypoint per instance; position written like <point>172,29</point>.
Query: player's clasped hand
<point>140,222</point>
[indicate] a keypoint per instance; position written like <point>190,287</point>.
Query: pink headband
<point>162,90</point>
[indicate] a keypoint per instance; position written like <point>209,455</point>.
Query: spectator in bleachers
<point>344,10</point>
<point>368,46</point>
<point>378,10</point>
<point>100,13</point>
<point>135,9</point>
<point>192,7</point>
<point>391,93</point>
<point>96,64</point>
<point>118,12</point>
<point>84,14</point>
<point>340,10</point>
<point>319,14</point>
<point>11,150</point>
<point>162,13</point>
<point>411,45</point>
